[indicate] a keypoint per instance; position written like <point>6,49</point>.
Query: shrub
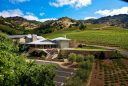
<point>23,48</point>
<point>85,65</point>
<point>90,58</point>
<point>42,53</point>
<point>116,55</point>
<point>79,58</point>
<point>37,53</point>
<point>74,81</point>
<point>101,56</point>
<point>72,57</point>
<point>82,74</point>
<point>60,55</point>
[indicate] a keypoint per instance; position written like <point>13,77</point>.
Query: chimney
<point>34,37</point>
<point>65,36</point>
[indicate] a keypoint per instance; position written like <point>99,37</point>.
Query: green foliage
<point>38,53</point>
<point>15,71</point>
<point>90,58</point>
<point>6,44</point>
<point>60,55</point>
<point>9,30</point>
<point>79,58</point>
<point>82,73</point>
<point>112,36</point>
<point>85,65</point>
<point>72,57</point>
<point>117,20</point>
<point>116,55</point>
<point>73,82</point>
<point>23,48</point>
<point>82,26</point>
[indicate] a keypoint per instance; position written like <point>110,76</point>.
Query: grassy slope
<point>110,36</point>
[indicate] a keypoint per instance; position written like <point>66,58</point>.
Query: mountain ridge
<point>19,25</point>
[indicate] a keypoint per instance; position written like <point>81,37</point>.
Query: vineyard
<point>109,36</point>
<point>110,73</point>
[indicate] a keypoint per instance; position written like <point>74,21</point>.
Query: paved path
<point>61,73</point>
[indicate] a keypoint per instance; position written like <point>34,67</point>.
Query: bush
<point>116,55</point>
<point>60,55</point>
<point>83,71</point>
<point>82,74</point>
<point>74,81</point>
<point>23,48</point>
<point>79,58</point>
<point>42,53</point>
<point>37,53</point>
<point>90,58</point>
<point>85,65</point>
<point>102,55</point>
<point>72,57</point>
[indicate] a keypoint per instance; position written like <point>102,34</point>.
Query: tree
<point>15,71</point>
<point>82,26</point>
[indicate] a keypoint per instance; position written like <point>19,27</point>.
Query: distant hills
<point>63,23</point>
<point>116,20</point>
<point>19,25</point>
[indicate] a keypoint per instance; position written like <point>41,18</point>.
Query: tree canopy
<point>15,71</point>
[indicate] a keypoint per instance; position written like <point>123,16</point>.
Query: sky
<point>42,10</point>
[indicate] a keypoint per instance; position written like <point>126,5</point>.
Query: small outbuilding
<point>62,42</point>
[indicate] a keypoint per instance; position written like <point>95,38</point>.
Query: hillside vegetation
<point>110,36</point>
<point>19,25</point>
<point>110,30</point>
<point>10,26</point>
<point>116,20</point>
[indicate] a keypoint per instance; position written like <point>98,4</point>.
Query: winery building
<point>35,41</point>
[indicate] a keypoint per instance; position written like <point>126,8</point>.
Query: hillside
<point>9,27</point>
<point>19,25</point>
<point>27,24</point>
<point>116,20</point>
<point>108,36</point>
<point>63,23</point>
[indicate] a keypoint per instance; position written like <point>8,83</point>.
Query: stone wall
<point>102,54</point>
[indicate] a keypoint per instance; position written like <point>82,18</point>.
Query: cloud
<point>73,3</point>
<point>90,17</point>
<point>11,13</point>
<point>46,19</point>
<point>123,10</point>
<point>31,17</point>
<point>18,1</point>
<point>41,14</point>
<point>27,15</point>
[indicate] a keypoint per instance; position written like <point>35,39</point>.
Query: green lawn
<point>110,36</point>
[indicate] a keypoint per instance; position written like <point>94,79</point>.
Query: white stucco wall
<point>63,44</point>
